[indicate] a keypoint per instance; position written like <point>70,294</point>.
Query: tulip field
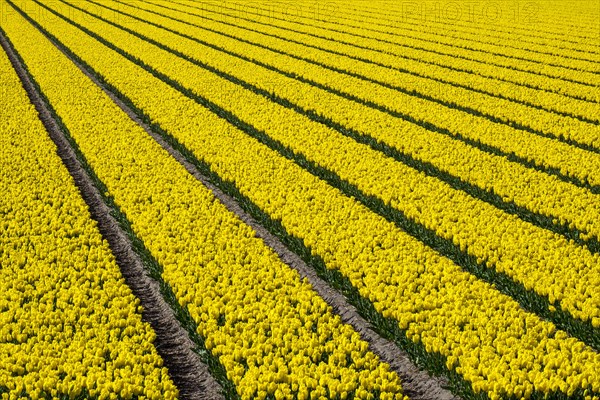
<point>300,200</point>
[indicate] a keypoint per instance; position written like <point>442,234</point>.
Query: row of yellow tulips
<point>69,325</point>
<point>552,266</point>
<point>568,24</point>
<point>539,150</point>
<point>426,45</point>
<point>272,333</point>
<point>479,31</point>
<point>526,187</point>
<point>411,70</point>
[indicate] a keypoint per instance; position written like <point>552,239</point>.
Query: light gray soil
<point>417,384</point>
<point>172,342</point>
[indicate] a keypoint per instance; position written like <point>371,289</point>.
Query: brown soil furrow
<point>417,384</point>
<point>173,343</point>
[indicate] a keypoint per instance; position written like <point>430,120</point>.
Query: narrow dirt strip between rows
<point>189,373</point>
<point>416,384</point>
